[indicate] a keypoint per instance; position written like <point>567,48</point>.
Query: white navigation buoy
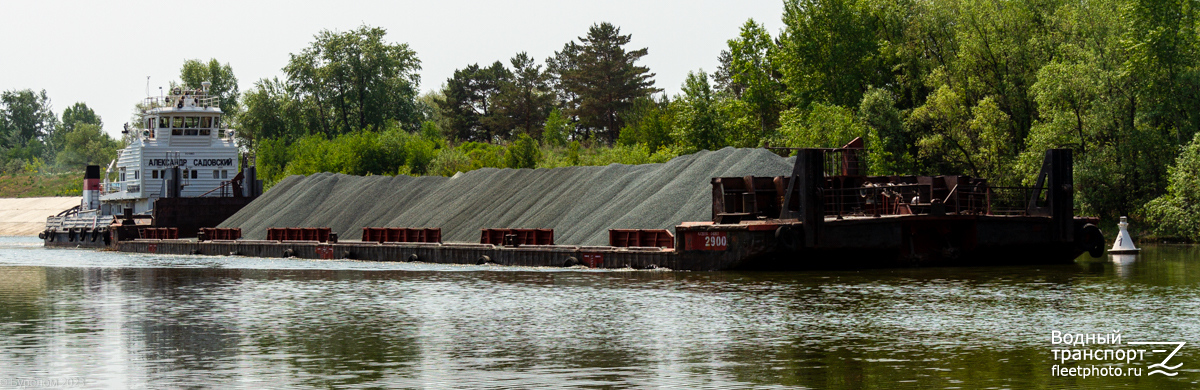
<point>1124,244</point>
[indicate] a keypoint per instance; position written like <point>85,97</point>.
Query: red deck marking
<point>326,252</point>
<point>593,260</point>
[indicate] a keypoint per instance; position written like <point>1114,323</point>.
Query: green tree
<point>557,128</point>
<point>963,138</point>
<point>77,114</point>
<point>356,80</point>
<point>822,126</point>
<point>72,117</point>
<point>525,99</point>
<point>430,104</point>
<point>224,83</point>
<point>470,103</point>
<point>891,148</point>
<point>262,117</point>
<point>651,124</point>
<point>85,144</point>
<point>1176,214</point>
<point>599,81</point>
<point>751,68</point>
<point>26,116</point>
<point>700,124</point>
<point>828,51</point>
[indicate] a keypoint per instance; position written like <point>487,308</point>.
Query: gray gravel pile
<point>579,203</point>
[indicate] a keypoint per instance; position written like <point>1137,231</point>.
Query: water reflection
<point>121,320</point>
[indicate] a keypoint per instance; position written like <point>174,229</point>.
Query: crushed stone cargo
<point>579,203</point>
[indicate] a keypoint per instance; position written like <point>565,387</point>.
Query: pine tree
<point>598,81</point>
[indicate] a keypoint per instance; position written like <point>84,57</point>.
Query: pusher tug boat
<point>179,170</point>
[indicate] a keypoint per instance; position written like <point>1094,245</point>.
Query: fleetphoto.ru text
<point>1105,354</point>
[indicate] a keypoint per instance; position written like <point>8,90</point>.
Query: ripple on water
<point>124,320</point>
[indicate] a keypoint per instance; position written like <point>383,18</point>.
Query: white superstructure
<point>182,129</point>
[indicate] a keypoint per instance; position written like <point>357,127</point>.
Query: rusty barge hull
<point>448,253</point>
<point>912,241</point>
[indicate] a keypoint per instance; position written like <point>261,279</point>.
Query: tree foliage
<point>470,103</point>
<point>934,86</point>
<point>525,98</point>
<point>26,117</point>
<point>224,83</point>
<point>85,144</point>
<point>355,80</point>
<point>599,81</point>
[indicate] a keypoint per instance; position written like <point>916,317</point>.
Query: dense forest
<point>934,86</point>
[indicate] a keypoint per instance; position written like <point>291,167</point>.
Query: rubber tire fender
<point>785,236</point>
<point>1091,239</point>
<point>413,257</point>
<point>483,259</point>
<point>570,261</point>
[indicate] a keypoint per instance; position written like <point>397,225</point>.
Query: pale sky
<point>100,52</point>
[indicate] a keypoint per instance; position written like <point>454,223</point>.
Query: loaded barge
<point>826,214</point>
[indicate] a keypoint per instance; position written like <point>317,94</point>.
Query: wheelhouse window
<point>122,175</point>
<point>206,122</point>
<point>154,174</point>
<point>164,123</point>
<point>195,174</point>
<point>190,124</point>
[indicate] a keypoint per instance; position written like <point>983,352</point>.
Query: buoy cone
<point>1124,244</point>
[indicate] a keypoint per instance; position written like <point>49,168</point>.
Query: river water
<point>91,319</point>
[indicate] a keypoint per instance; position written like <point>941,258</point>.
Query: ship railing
<point>876,200</point>
<point>908,199</point>
<point>1013,200</point>
<point>225,189</point>
<point>74,220</point>
<point>70,211</point>
<point>845,162</point>
<point>173,101</point>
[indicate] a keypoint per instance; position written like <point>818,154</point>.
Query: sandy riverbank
<point>27,216</point>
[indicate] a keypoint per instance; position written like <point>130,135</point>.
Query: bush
<point>1176,214</point>
<point>522,153</point>
<point>448,162</point>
